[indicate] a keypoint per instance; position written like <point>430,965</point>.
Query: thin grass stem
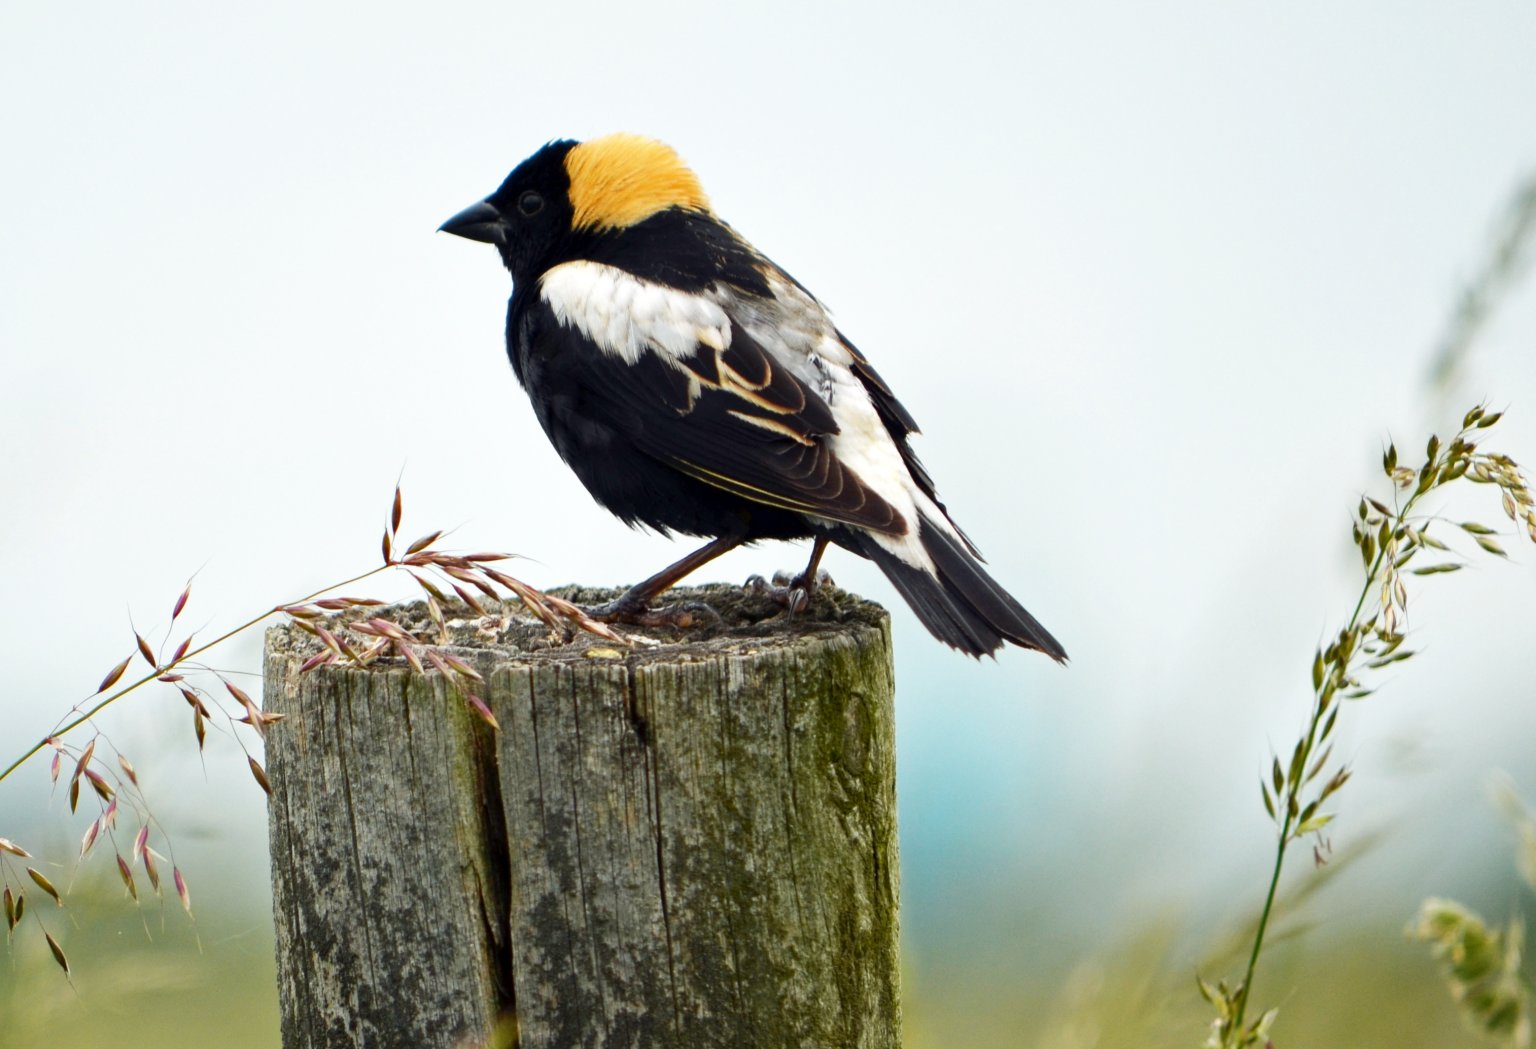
<point>68,725</point>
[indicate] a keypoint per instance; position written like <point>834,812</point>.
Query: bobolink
<point>696,387</point>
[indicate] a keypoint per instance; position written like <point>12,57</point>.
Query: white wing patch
<point>626,316</point>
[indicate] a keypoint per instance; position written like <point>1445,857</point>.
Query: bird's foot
<point>793,592</point>
<point>638,612</point>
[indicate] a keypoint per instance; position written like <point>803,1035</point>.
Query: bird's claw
<point>792,592</point>
<point>796,601</point>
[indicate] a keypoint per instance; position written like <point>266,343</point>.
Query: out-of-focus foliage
<point>1360,987</point>
<point>139,982</point>
<point>1481,966</point>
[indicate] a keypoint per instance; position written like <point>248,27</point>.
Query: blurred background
<point>1159,281</point>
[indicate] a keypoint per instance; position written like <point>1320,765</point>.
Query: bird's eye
<point>530,203</point>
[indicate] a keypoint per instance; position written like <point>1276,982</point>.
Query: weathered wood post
<point>680,844</point>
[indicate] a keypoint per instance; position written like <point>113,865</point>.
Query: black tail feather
<point>962,606</point>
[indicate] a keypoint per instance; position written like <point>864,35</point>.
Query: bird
<point>695,387</point>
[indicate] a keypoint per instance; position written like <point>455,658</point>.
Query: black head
<point>560,201</point>
<point>528,216</point>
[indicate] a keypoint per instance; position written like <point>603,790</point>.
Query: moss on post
<point>688,842</point>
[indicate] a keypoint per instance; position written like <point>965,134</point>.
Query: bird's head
<point>568,193</point>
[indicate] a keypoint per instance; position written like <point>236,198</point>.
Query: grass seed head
<point>470,600</point>
<point>44,884</point>
<point>113,675</point>
<point>421,544</point>
<point>126,874</point>
<point>99,784</point>
<point>181,889</point>
<point>319,659</point>
<point>58,952</point>
<point>261,775</point>
<point>479,706</point>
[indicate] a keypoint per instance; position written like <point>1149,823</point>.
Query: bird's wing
<point>707,384</point>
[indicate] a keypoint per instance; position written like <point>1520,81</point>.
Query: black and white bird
<point>695,387</point>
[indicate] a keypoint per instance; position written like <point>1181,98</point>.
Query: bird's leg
<point>634,605</point>
<point>794,593</point>
<point>809,578</point>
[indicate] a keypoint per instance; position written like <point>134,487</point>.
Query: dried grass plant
<point>99,776</point>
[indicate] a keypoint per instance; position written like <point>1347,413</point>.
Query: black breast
<point>592,407</point>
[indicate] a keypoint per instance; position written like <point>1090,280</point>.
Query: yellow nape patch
<point>619,180</point>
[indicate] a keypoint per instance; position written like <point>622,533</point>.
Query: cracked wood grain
<point>693,844</point>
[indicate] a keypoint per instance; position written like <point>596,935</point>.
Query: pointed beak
<point>478,222</point>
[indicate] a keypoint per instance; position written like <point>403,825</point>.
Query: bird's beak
<point>478,222</point>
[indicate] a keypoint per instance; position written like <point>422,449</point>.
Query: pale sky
<point>1158,281</point>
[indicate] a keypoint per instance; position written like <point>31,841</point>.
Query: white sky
<point>1157,280</point>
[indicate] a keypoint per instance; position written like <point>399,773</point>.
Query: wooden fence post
<point>683,844</point>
